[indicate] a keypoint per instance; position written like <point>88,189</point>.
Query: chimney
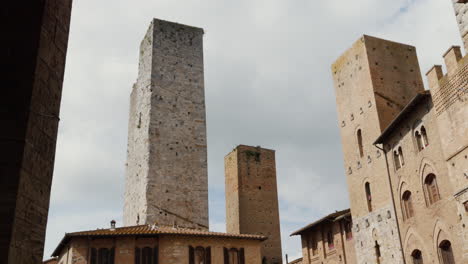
<point>112,225</point>
<point>452,57</point>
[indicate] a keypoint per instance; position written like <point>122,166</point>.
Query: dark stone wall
<point>35,37</point>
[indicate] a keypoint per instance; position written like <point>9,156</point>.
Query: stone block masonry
<point>252,198</point>
<point>35,49</point>
<point>166,176</point>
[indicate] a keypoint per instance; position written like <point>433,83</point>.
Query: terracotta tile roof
<point>331,217</point>
<point>150,230</point>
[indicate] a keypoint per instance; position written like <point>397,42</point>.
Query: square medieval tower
<point>374,80</point>
<point>252,198</point>
<point>166,176</point>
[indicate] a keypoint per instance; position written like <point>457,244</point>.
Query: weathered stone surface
<point>166,178</point>
<point>461,13</point>
<point>252,197</point>
<point>374,80</point>
<point>29,110</point>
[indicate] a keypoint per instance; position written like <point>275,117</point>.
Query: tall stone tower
<point>461,8</point>
<point>166,176</point>
<point>381,77</point>
<point>252,197</point>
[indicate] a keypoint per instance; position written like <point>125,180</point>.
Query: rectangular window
<point>146,255</point>
<point>330,242</point>
<point>314,244</point>
<point>199,255</point>
<point>234,256</point>
<point>102,256</point>
<point>348,230</point>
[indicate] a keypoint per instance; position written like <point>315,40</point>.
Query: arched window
<point>445,252</point>
<point>396,159</point>
<point>368,197</point>
<point>400,156</point>
<point>416,256</point>
<point>419,141</point>
<point>424,137</point>
<point>199,255</point>
<point>359,139</point>
<point>431,189</point>
<point>234,256</point>
<point>407,205</point>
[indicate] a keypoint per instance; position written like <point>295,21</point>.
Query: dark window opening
<point>146,255</point>
<point>445,252</point>
<point>330,240</point>
<point>378,255</point>
<point>368,196</point>
<point>348,226</point>
<point>102,256</point>
<point>359,139</point>
<point>416,256</point>
<point>424,136</point>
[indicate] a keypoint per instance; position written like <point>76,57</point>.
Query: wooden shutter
<point>208,255</point>
<point>112,256</point>
<point>410,206</point>
<point>191,255</point>
<point>155,255</point>
<point>434,192</point>
<point>226,256</point>
<point>241,256</point>
<point>137,256</point>
<point>93,258</point>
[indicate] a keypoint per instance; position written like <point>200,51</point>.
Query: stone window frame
<point>420,136</point>
<point>229,252</point>
<point>199,255</point>
<point>431,189</point>
<point>407,205</point>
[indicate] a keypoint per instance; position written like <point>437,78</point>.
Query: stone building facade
<point>328,240</point>
<point>34,48</point>
<point>252,198</point>
<point>407,167</point>
<point>150,244</point>
<point>461,13</point>
<point>166,175</point>
<point>381,77</point>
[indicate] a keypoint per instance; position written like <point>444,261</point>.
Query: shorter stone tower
<point>252,197</point>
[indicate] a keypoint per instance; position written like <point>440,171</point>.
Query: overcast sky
<point>267,82</point>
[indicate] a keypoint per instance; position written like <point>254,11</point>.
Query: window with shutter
<point>147,256</point>
<point>137,256</point>
<point>208,255</point>
<point>155,255</point>
<point>93,259</point>
<point>241,256</point>
<point>368,196</point>
<point>226,255</point>
<point>407,205</point>
<point>432,190</point>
